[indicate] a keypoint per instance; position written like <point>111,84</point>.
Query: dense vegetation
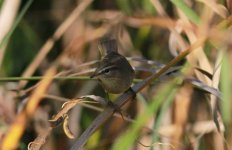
<point>181,51</point>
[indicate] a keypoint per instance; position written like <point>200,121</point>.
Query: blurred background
<point>56,38</point>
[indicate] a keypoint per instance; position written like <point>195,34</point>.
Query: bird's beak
<point>92,76</point>
<point>96,73</point>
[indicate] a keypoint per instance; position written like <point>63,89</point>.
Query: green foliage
<point>130,6</point>
<point>226,89</point>
<point>1,2</point>
<point>191,14</point>
<point>141,36</point>
<point>125,6</point>
<point>147,7</point>
<point>94,140</point>
<point>21,49</point>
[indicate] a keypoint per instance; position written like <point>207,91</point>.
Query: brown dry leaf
<point>202,86</point>
<point>62,114</point>
<point>39,141</point>
<point>58,118</point>
<point>67,131</point>
<point>64,110</point>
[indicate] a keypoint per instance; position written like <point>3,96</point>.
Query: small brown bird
<point>114,72</point>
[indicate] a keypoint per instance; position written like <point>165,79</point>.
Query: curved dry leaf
<point>67,131</point>
<point>209,75</point>
<point>36,145</point>
<point>59,117</point>
<point>39,141</point>
<point>65,108</point>
<point>202,86</point>
<point>62,114</point>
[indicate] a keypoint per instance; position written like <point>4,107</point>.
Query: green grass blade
<point>34,78</point>
<point>226,89</point>
<point>159,118</point>
<point>187,11</point>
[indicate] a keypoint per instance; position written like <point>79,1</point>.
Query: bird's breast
<point>115,86</point>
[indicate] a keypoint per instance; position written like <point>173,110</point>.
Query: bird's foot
<point>116,108</point>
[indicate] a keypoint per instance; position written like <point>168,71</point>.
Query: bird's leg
<point>114,106</point>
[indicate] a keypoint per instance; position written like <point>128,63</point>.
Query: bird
<point>114,72</point>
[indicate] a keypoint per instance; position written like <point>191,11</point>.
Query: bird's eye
<point>107,71</point>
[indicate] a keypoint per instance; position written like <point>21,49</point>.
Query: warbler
<point>114,72</point>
